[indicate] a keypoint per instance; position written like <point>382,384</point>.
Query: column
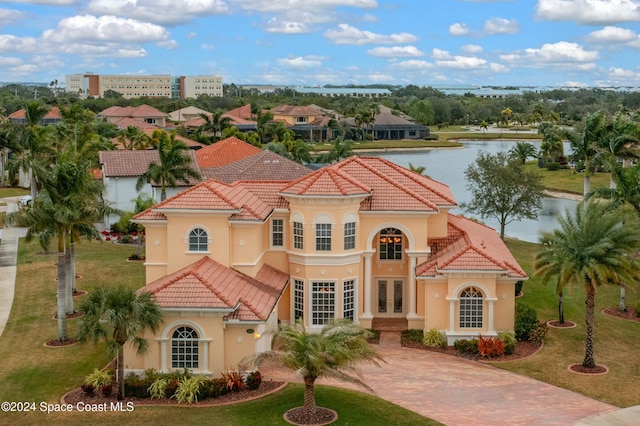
<point>412,287</point>
<point>367,284</point>
<point>491,322</point>
<point>452,313</point>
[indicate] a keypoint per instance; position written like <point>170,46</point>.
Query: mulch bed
<point>77,395</point>
<point>55,343</point>
<point>70,316</point>
<point>558,324</point>
<point>597,370</point>
<point>322,416</point>
<point>630,314</point>
<point>523,350</point>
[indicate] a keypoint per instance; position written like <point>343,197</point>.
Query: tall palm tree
<point>523,151</point>
<point>132,138</point>
<point>340,149</point>
<point>585,144</point>
<point>619,143</point>
<point>174,165</point>
<point>118,316</point>
<point>334,352</point>
<point>595,246</point>
<point>264,124</point>
<point>215,124</point>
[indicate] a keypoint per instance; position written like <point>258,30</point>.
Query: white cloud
<point>415,64</point>
<point>440,54</point>
<point>107,29</point>
<point>614,35</point>
<point>167,12</point>
<point>346,34</point>
<point>395,52</point>
<point>471,48</point>
<point>561,54</point>
<point>10,17</point>
<point>299,62</point>
<point>276,25</point>
<point>10,43</point>
<point>495,67</point>
<point>459,29</point>
<point>286,5</point>
<point>591,12</point>
<point>618,73</point>
<point>501,26</point>
<point>462,62</point>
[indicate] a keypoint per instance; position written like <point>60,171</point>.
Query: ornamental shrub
<point>467,347</point>
<point>509,341</point>
<point>526,320</point>
<point>539,333</point>
<point>254,380</point>
<point>434,339</point>
<point>489,347</point>
<point>519,285</point>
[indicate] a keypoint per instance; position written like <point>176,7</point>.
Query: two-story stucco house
<point>361,239</point>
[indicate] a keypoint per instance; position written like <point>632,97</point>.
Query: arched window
<point>471,308</point>
<point>184,348</point>
<point>390,244</point>
<point>198,240</point>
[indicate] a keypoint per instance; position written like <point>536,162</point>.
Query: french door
<point>390,297</point>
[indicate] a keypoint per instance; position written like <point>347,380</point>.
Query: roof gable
<point>264,165</point>
<point>224,152</point>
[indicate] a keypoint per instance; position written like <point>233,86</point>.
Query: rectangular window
<point>323,302</point>
<point>323,237</point>
<point>277,232</point>
<point>349,299</point>
<point>349,235</point>
<point>298,299</point>
<point>298,241</point>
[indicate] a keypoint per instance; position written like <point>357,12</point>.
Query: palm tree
<point>419,169</point>
<point>585,144</point>
<point>263,124</point>
<point>174,165</point>
<point>594,247</point>
<point>523,151</point>
<point>552,148</point>
<point>132,138</point>
<point>215,124</point>
<point>334,353</point>
<point>118,315</point>
<point>340,149</point>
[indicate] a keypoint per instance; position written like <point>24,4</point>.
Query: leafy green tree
<point>175,165</point>
<point>595,246</point>
<point>502,188</point>
<point>334,352</point>
<point>523,151</point>
<point>118,315</point>
<point>264,125</point>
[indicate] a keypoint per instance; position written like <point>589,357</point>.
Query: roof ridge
<point>211,288</point>
<point>391,181</point>
<point>251,307</point>
<point>346,176</point>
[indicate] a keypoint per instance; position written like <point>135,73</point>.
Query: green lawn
<point>392,144</point>
<point>616,340</point>
<point>567,180</point>
<point>31,372</point>
<point>12,192</point>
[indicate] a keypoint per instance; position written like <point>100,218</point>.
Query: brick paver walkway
<point>456,391</point>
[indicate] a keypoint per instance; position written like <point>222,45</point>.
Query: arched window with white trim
<point>198,240</point>
<point>184,348</point>
<point>471,308</point>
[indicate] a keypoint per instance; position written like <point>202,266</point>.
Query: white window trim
<point>310,298</point>
<point>284,234</point>
<point>209,240</point>
<point>355,298</point>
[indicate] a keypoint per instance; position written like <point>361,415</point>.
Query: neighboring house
<point>52,116</point>
<point>186,114</point>
<point>308,122</point>
<point>121,115</point>
<point>265,165</point>
<point>120,170</point>
<point>224,152</point>
<point>363,239</point>
<point>389,126</point>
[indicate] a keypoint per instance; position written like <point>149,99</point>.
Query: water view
<point>448,166</point>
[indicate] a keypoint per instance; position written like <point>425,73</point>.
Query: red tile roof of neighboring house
<point>264,165</point>
<point>196,122</point>
<point>53,113</point>
<point>206,284</point>
<point>296,110</point>
<point>213,195</point>
<point>125,122</point>
<point>469,246</point>
<point>243,112</point>
<point>391,187</point>
<point>140,111</point>
<point>224,152</point>
<point>132,163</point>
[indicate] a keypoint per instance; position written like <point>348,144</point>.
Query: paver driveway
<point>456,391</point>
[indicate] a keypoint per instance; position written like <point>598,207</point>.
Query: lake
<point>448,166</point>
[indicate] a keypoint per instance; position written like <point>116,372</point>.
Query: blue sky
<point>316,42</point>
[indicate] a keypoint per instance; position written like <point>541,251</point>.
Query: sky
<point>579,43</point>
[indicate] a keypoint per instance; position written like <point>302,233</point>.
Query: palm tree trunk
<point>68,297</point>
<point>589,360</point>
<point>623,300</point>
<point>560,308</point>
<point>72,252</point>
<point>309,406</point>
<point>120,375</point>
<point>61,290</point>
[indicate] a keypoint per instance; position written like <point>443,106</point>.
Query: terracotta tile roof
<point>132,163</point>
<point>267,191</point>
<point>390,186</point>
<point>213,195</point>
<point>469,246</point>
<point>125,122</point>
<point>141,111</point>
<point>224,152</point>
<point>206,284</point>
<point>296,110</point>
<point>187,113</point>
<point>243,112</point>
<point>264,165</point>
<point>188,142</point>
<point>53,113</point>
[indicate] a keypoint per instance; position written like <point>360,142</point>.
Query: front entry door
<point>390,302</point>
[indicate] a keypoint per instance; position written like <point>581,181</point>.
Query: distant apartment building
<point>136,86</point>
